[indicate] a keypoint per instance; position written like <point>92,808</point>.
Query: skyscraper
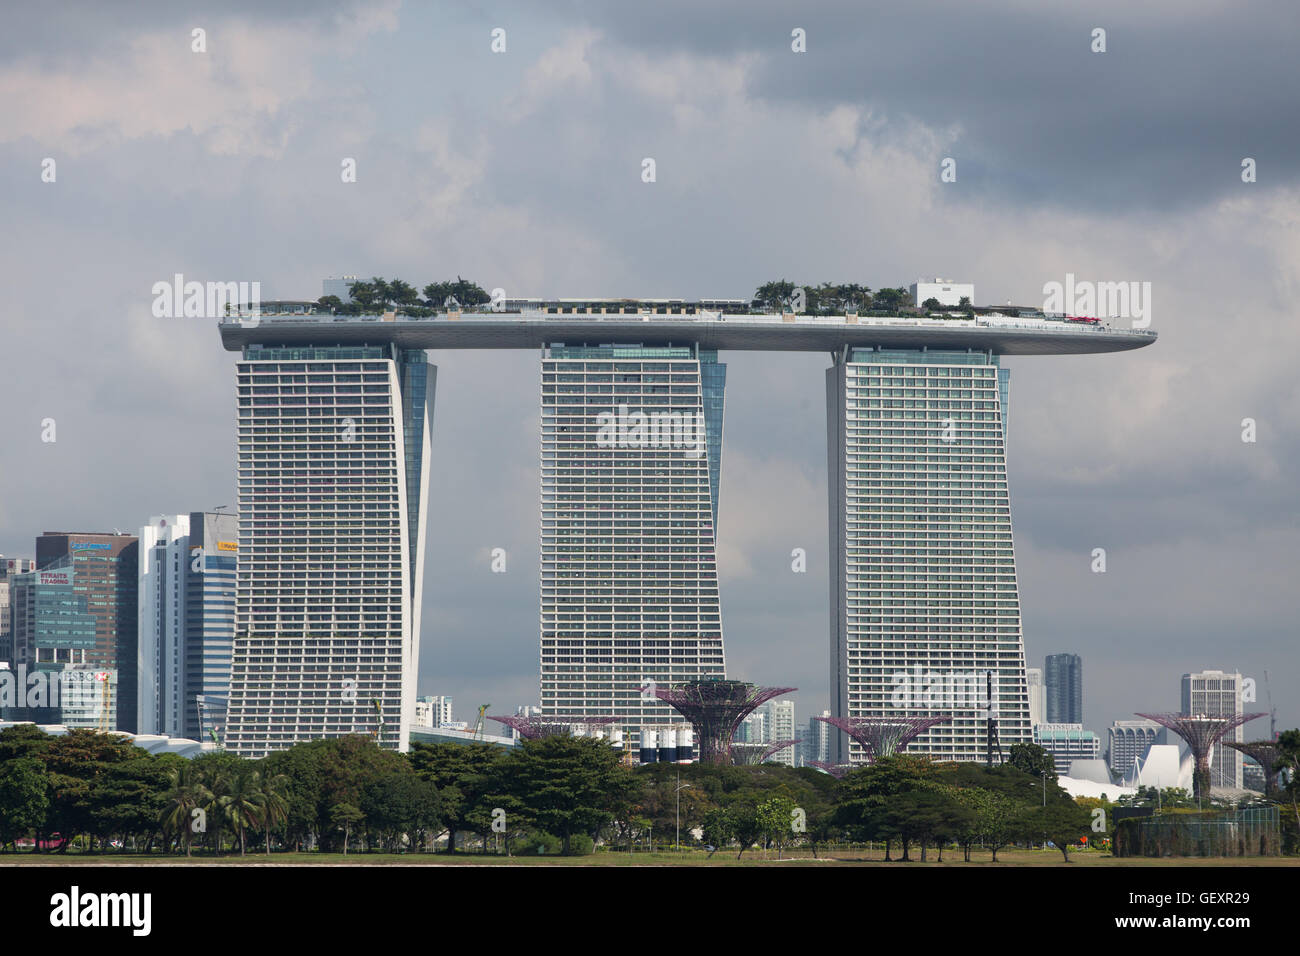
<point>105,573</point>
<point>1063,680</point>
<point>1037,703</point>
<point>186,618</point>
<point>780,726</point>
<point>816,744</point>
<point>631,449</point>
<point>1218,694</point>
<point>334,454</point>
<point>9,569</point>
<point>924,597</point>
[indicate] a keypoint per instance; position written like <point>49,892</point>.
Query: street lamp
<point>678,792</point>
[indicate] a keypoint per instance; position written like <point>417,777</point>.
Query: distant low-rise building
<point>1067,742</point>
<point>1127,740</point>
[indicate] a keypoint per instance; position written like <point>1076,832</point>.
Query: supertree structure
<point>885,736</point>
<point>1202,732</point>
<point>550,725</point>
<point>747,755</point>
<point>1266,754</point>
<point>715,709</point>
<point>836,770</point>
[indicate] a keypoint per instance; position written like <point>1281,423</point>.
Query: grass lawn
<point>838,858</point>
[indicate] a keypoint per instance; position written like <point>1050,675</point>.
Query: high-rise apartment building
<point>104,573</point>
<point>631,443</point>
<point>924,597</point>
<point>816,744</point>
<point>1127,740</point>
<point>1218,694</point>
<point>433,711</point>
<point>780,726</point>
<point>1063,680</point>
<point>334,455</point>
<point>186,619</point>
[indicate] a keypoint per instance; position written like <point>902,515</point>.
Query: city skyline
<point>790,159</point>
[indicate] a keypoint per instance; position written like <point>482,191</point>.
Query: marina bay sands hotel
<point>335,451</point>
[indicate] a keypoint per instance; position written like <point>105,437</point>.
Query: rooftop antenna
<point>217,508</point>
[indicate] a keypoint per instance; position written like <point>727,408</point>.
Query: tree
<point>774,295</point>
<point>24,798</point>
<point>1063,822</point>
<point>187,795</point>
<point>463,776</point>
<point>932,305</point>
<point>717,827</point>
<point>775,816</point>
<point>1034,760</point>
<point>243,803</point>
<point>568,784</point>
<point>344,816</point>
<point>274,809</point>
<point>330,302</point>
<point>400,804</point>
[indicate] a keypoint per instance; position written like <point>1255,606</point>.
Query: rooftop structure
<point>715,709</point>
<point>685,324</point>
<point>885,736</point>
<point>1201,732</point>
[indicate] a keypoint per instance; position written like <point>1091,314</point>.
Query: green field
<point>838,858</point>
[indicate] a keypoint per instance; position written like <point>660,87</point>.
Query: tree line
<point>98,792</point>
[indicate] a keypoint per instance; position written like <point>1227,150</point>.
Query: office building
<point>9,569</point>
<point>1218,694</point>
<point>334,456</point>
<point>924,597</point>
<point>186,620</point>
<point>1067,742</point>
<point>1037,700</point>
<point>1129,740</point>
<point>753,729</point>
<point>103,570</point>
<point>630,454</point>
<point>1063,679</point>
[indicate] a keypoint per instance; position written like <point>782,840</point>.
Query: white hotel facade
<point>629,580</point>
<point>334,450</point>
<point>924,598</point>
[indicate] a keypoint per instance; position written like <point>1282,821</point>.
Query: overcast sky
<point>522,170</point>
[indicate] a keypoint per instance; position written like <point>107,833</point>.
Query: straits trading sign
<point>61,577</point>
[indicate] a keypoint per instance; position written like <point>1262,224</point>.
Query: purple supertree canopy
<point>1202,732</point>
<point>885,736</point>
<point>836,770</point>
<point>547,725</point>
<point>746,755</point>
<point>715,709</point>
<point>1266,754</point>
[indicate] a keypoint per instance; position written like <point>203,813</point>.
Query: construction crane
<point>379,714</point>
<point>478,723</point>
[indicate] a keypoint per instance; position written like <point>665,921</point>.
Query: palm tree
<point>275,805</point>
<point>186,795</point>
<point>243,801</point>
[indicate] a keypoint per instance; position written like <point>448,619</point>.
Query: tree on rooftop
<point>774,295</point>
